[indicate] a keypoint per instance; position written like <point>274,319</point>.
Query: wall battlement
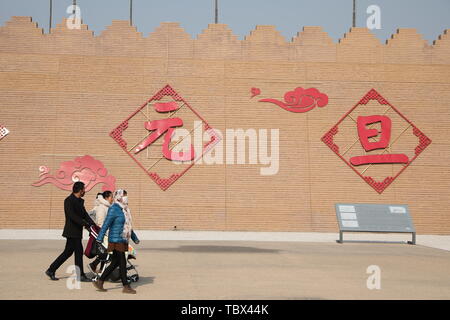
<point>312,44</point>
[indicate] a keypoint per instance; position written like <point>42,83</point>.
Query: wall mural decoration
<point>255,92</point>
<point>3,132</point>
<point>384,142</point>
<point>300,100</point>
<point>85,169</point>
<point>158,117</point>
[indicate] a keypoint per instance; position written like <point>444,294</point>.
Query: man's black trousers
<point>72,245</point>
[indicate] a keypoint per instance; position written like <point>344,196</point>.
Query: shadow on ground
<point>375,241</point>
<point>142,282</point>
<point>212,249</point>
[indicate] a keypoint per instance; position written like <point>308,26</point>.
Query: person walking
<point>119,223</point>
<point>76,218</point>
<point>102,203</point>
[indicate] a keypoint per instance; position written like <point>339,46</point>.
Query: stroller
<point>96,249</point>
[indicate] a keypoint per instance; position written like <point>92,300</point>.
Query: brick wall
<point>62,93</point>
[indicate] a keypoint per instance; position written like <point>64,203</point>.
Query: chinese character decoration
<point>3,132</point>
<point>85,169</point>
<point>384,141</point>
<point>300,100</point>
<point>166,127</point>
<point>160,118</point>
<point>385,135</point>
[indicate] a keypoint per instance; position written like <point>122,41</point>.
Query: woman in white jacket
<point>102,203</point>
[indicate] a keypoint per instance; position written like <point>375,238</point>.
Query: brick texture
<point>62,93</point>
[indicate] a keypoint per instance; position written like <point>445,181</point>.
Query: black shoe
<point>51,275</point>
<point>83,278</point>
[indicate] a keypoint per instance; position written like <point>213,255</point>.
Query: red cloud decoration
<point>85,169</point>
<point>301,100</point>
<point>255,92</point>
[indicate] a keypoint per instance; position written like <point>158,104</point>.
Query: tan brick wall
<point>62,93</point>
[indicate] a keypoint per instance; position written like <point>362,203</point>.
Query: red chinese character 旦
<point>167,127</point>
<point>385,135</point>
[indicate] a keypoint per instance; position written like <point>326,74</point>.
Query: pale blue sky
<point>429,17</point>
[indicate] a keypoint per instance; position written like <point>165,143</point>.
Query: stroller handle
<point>94,230</point>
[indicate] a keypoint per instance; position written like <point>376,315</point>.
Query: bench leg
<point>413,239</point>
<point>341,237</point>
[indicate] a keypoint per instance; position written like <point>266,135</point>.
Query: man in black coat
<point>76,219</point>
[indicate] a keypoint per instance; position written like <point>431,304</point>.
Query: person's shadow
<point>141,282</point>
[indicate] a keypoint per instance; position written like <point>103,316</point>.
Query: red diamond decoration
<point>413,145</point>
<point>135,122</point>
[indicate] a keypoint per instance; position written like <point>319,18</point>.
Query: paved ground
<point>434,241</point>
<point>240,270</point>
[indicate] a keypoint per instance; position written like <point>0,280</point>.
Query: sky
<point>429,17</point>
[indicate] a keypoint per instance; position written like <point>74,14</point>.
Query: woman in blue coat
<point>119,223</point>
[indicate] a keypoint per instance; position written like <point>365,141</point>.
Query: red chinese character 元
<point>167,127</point>
<point>385,135</point>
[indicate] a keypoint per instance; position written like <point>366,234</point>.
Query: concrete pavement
<point>433,241</point>
<point>240,270</point>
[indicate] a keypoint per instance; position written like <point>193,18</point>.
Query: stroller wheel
<point>115,276</point>
<point>134,278</point>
